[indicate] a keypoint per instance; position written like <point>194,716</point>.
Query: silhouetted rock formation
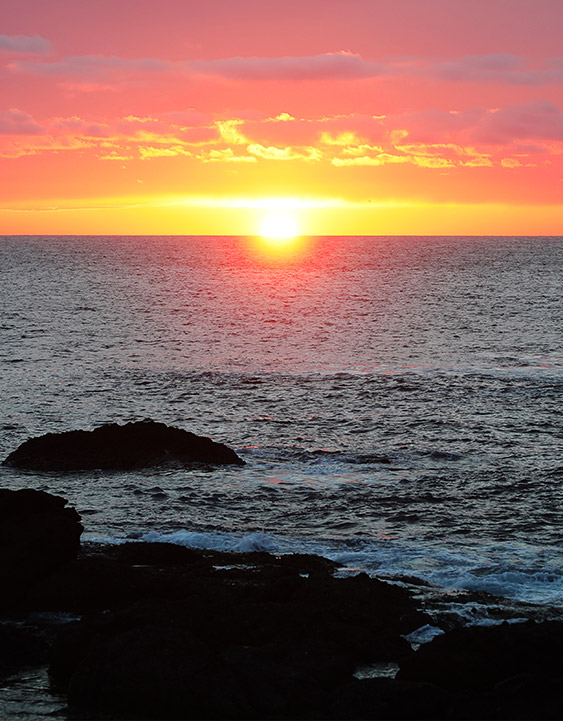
<point>223,635</point>
<point>115,447</point>
<point>22,648</point>
<point>509,671</point>
<point>173,632</point>
<point>38,535</point>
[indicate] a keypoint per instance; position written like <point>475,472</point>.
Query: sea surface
<point>398,400</point>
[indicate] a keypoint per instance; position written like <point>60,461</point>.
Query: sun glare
<point>278,226</point>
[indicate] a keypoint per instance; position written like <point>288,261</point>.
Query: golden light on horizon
<point>279,226</point>
<point>255,216</point>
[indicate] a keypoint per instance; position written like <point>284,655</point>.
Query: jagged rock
<point>119,447</point>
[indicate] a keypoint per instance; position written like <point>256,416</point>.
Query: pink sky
<point>420,115</point>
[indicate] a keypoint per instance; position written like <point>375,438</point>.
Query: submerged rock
<point>115,447</point>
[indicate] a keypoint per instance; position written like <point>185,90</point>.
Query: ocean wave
<point>526,573</point>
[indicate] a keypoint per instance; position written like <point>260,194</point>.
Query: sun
<point>279,226</point>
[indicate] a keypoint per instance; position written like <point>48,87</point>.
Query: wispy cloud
<point>537,120</point>
<point>226,155</point>
<point>99,70</point>
<point>497,68</point>
<point>16,122</point>
<point>25,44</point>
<point>287,153</point>
<point>328,66</point>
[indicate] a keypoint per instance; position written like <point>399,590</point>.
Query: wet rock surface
<point>119,447</point>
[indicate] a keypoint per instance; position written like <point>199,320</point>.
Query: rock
<point>38,535</point>
<point>387,698</point>
<point>115,447</point>
<point>528,696</point>
<point>21,647</point>
<point>480,657</point>
<point>110,577</point>
<point>152,672</point>
<point>224,635</point>
<point>162,671</point>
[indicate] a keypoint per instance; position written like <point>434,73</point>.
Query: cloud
<point>340,65</point>
<point>537,120</point>
<point>380,159</point>
<point>510,163</point>
<point>496,68</point>
<point>80,126</point>
<point>435,125</point>
<point>424,161</point>
<point>288,153</point>
<point>25,44</point>
<point>282,118</point>
<point>73,89</point>
<point>25,145</point>
<point>458,155</point>
<point>343,139</point>
<point>94,67</point>
<point>228,130</point>
<point>336,130</point>
<point>115,155</point>
<point>172,128</point>
<point>434,138</point>
<point>16,122</point>
<point>484,68</point>
<point>94,72</point>
<point>225,155</point>
<point>328,66</point>
<point>169,152</point>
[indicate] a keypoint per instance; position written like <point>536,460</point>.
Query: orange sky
<point>351,116</point>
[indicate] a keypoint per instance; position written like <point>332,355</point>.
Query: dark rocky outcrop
<point>489,655</point>
<point>38,535</point>
<point>223,635</point>
<point>171,632</point>
<point>387,698</point>
<point>511,671</point>
<point>22,647</point>
<point>119,447</point>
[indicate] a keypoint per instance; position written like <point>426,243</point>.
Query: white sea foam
<point>424,634</point>
<point>258,541</point>
<point>520,572</point>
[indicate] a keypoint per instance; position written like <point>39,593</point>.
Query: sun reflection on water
<point>280,249</point>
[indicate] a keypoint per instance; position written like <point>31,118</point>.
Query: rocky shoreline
<point>162,631</point>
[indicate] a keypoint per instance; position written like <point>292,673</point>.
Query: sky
<point>327,116</point>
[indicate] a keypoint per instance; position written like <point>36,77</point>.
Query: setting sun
<point>278,226</point>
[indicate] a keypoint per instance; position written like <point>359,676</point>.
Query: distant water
<point>398,400</point>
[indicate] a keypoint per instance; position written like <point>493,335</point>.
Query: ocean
<point>397,400</point>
